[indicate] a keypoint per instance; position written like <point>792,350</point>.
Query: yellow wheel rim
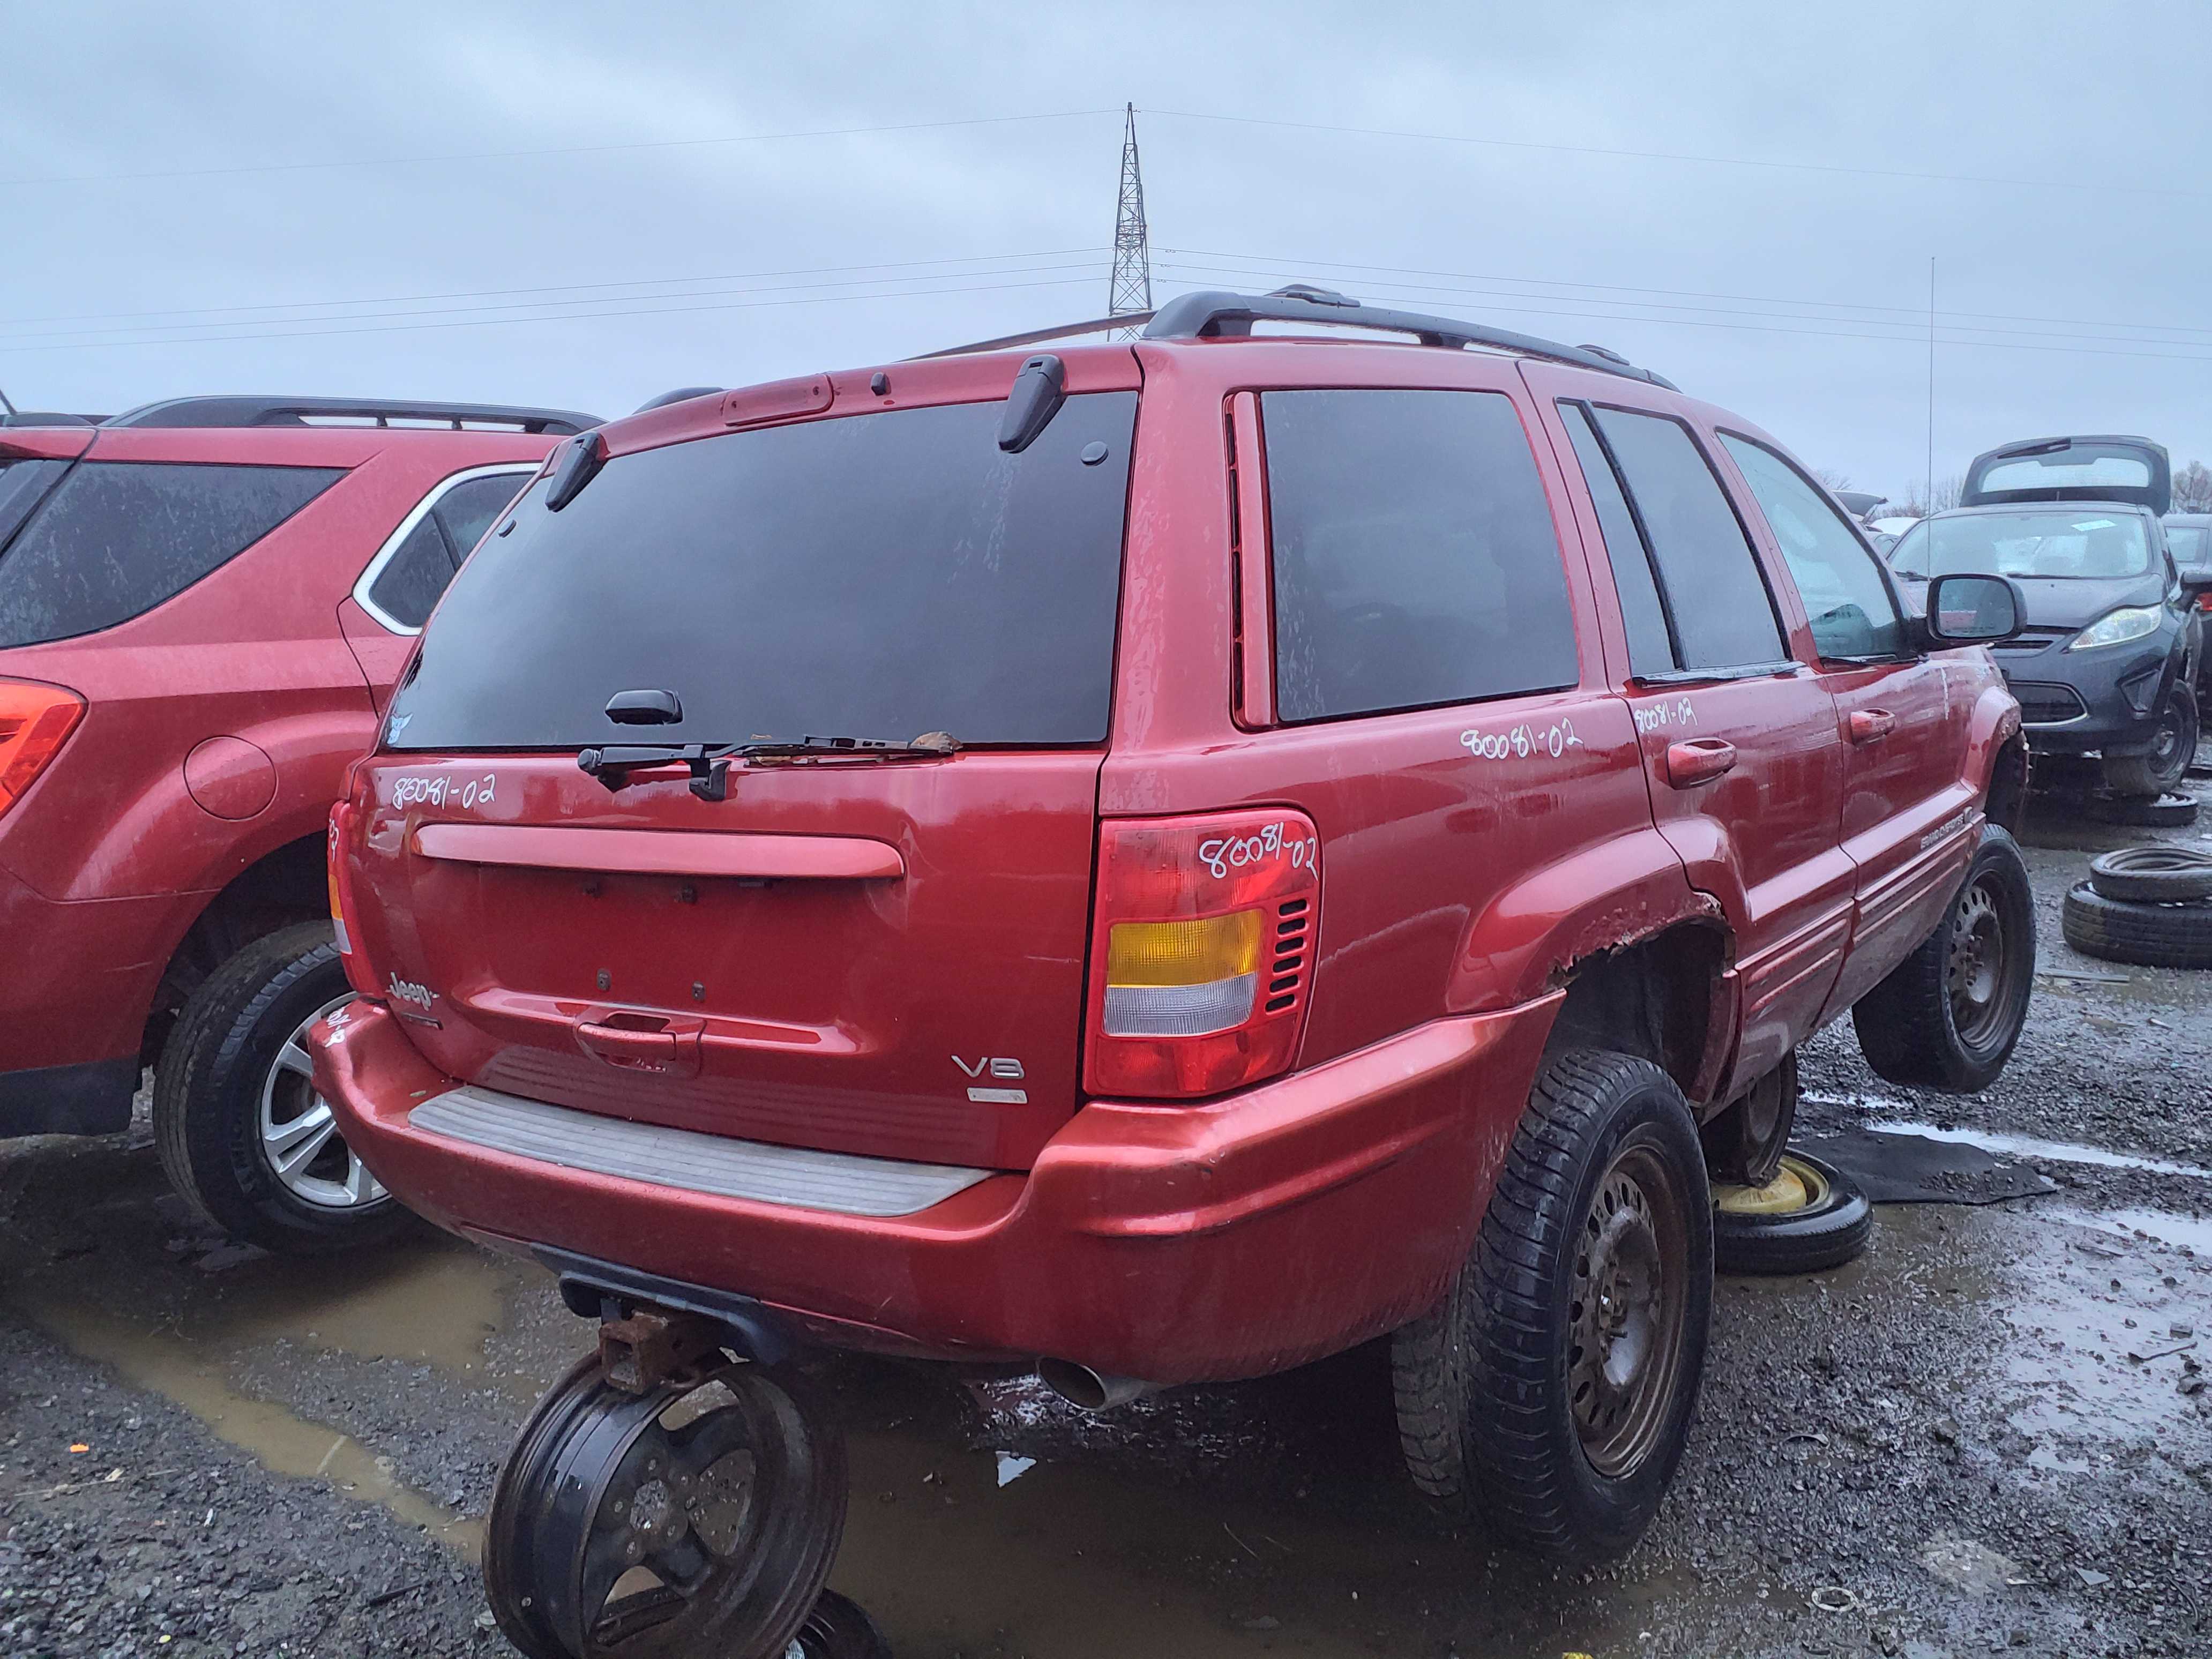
<point>1797,1186</point>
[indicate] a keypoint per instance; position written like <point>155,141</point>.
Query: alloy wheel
<point>300,1137</point>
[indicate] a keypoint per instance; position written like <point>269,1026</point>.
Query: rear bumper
<point>1175,1244</point>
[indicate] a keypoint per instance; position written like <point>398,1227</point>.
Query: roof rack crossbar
<point>236,411</point>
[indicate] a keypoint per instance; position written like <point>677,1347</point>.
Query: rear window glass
<point>2187,541</point>
<point>879,576</point>
<point>1415,558</point>
<point>2079,468</point>
<point>115,538</point>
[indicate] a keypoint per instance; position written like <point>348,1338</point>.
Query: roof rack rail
<point>1215,312</point>
<point>1218,313</point>
<point>233,412</point>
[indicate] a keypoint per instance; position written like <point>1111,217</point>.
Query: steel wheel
<point>1982,975</point>
<point>699,1517</point>
<point>1631,1283</point>
<point>300,1137</point>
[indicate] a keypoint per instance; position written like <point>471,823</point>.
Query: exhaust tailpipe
<point>1092,1391</point>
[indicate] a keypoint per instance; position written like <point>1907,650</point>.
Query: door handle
<point>1870,725</point>
<point>1698,760</point>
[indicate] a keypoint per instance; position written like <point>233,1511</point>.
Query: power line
<point>554,288</point>
<point>1914,313</point>
<point>1688,157</point>
<point>184,330</point>
<point>1401,291</point>
<point>1251,268</point>
<point>2100,187</point>
<point>560,149</point>
<point>492,322</point>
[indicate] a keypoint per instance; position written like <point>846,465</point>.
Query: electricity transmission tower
<point>1132,286</point>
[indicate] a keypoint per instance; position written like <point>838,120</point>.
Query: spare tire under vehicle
<point>1811,1217</point>
<point>2150,935</point>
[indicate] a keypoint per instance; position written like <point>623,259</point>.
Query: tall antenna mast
<point>1132,286</point>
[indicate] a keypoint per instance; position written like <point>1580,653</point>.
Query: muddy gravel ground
<point>1988,1435</point>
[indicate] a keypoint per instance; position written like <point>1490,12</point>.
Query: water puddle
<point>2104,1334</point>
<point>2029,1147</point>
<point>280,1441</point>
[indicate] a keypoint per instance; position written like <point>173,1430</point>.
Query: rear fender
<point>1600,898</point>
<point>166,841</point>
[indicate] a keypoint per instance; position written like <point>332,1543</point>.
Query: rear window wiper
<point>710,763</point>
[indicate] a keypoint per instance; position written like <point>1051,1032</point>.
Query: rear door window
<point>883,576</point>
<point>1651,640</point>
<point>1850,604</point>
<point>1415,559</point>
<point>1708,576</point>
<point>116,539</point>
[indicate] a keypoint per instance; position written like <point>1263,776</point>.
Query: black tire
<point>1745,1143</point>
<point>578,1477</point>
<point>840,1628</point>
<point>2150,935</point>
<point>2165,763</point>
<point>218,1075</point>
<point>2157,873</point>
<point>1949,1015</point>
<point>1506,1413</point>
<point>1825,1233</point>
<point>2167,813</point>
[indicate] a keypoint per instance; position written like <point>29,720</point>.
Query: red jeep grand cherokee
<point>1174,859</point>
<point>204,605</point>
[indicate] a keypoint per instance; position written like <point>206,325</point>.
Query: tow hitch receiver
<point>639,1353</point>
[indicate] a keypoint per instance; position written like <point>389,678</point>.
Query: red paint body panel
<point>1228,1239</point>
<point>834,1010</point>
<point>218,728</point>
<point>663,852</point>
<point>1472,858</point>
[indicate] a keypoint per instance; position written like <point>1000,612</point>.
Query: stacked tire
<point>2151,906</point>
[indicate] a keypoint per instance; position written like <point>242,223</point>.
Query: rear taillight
<point>342,908</point>
<point>35,722</point>
<point>2204,600</point>
<point>1202,951</point>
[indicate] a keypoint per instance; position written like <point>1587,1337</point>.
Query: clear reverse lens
<point>1172,1011</point>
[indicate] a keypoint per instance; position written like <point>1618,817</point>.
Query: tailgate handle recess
<point>641,1042</point>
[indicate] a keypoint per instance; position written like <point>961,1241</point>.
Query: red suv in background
<point>204,606</point>
<point>1169,858</point>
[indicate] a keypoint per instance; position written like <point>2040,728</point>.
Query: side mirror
<point>1971,610</point>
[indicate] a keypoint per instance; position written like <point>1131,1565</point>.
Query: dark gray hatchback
<point>2106,662</point>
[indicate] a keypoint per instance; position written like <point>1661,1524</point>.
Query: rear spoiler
<point>2098,468</point>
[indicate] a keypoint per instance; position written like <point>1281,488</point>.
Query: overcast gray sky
<point>171,221</point>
